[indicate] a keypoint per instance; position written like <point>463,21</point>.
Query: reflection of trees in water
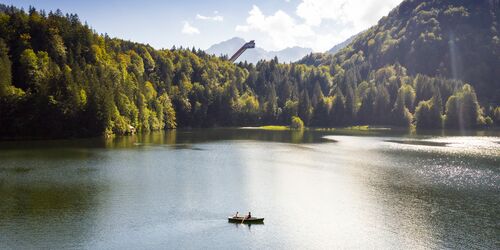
<point>59,212</point>
<point>297,136</point>
<point>185,137</point>
<point>52,150</point>
<point>35,200</point>
<point>167,137</point>
<point>191,136</point>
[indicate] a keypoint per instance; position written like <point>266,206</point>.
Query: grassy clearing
<point>359,128</point>
<point>274,128</point>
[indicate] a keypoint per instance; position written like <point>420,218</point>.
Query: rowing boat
<point>245,220</point>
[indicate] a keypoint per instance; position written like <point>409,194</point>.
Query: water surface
<point>316,190</point>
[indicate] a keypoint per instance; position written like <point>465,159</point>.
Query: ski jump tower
<point>249,45</point>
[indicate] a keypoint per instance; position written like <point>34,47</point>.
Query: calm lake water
<point>316,190</point>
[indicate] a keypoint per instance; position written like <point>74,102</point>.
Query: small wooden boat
<point>254,220</point>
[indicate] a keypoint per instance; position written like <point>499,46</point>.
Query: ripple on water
<point>453,161</point>
<point>419,142</point>
<point>479,146</point>
<point>459,176</point>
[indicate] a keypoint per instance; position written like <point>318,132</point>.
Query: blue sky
<point>274,24</point>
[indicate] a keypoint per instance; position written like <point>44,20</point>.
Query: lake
<point>316,190</point>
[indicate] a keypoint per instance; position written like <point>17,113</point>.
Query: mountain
<point>439,38</point>
<point>230,46</point>
<point>341,45</point>
<point>292,54</point>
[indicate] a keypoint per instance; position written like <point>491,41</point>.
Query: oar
<point>244,219</point>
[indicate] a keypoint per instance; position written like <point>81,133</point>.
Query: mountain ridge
<point>342,45</point>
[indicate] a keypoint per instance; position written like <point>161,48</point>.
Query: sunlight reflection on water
<point>175,190</point>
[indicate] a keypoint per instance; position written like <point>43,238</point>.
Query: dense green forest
<point>59,78</point>
<point>426,51</point>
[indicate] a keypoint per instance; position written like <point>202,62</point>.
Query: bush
<point>297,123</point>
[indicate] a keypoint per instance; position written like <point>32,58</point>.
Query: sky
<point>273,24</point>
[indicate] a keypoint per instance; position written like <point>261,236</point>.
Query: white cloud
<point>189,30</point>
<point>280,29</point>
<point>216,18</point>
<point>320,24</point>
<point>359,14</point>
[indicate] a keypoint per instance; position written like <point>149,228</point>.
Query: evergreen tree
<point>338,110</point>
<point>350,106</point>
<point>305,108</point>
<point>428,114</point>
<point>401,115</point>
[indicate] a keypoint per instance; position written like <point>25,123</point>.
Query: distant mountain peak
<point>238,39</point>
<point>230,46</point>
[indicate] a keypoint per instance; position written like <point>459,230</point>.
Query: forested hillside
<point>59,78</point>
<point>430,41</point>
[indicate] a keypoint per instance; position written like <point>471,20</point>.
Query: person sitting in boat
<point>236,215</point>
<point>248,216</point>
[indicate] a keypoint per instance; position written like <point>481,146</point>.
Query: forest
<point>60,78</point>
